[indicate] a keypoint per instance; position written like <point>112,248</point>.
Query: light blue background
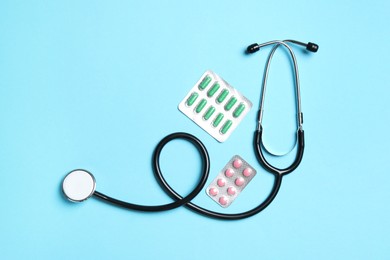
<point>96,84</point>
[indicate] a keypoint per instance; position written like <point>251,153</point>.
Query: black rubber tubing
<point>271,168</point>
<point>156,158</point>
<point>185,201</point>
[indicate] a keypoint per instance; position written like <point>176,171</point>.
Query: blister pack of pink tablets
<point>231,181</point>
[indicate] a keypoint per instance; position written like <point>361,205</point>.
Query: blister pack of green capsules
<point>215,106</point>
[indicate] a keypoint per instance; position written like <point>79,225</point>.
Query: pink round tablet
<point>247,172</point>
<point>239,181</point>
<point>229,172</point>
<point>237,163</point>
<point>221,182</point>
<point>223,200</point>
<point>213,191</point>
<point>231,191</point>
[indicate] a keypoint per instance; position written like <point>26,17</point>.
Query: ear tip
<point>252,48</point>
<point>313,47</point>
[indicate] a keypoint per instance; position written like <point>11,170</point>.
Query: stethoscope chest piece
<point>78,185</point>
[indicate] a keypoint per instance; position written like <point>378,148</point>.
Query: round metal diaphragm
<point>78,185</point>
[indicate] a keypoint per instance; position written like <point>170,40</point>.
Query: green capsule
<point>204,82</point>
<point>213,89</point>
<point>222,96</point>
<point>230,103</point>
<point>209,113</point>
<point>201,105</point>
<point>218,120</point>
<point>238,111</point>
<point>226,126</point>
<point>191,100</point>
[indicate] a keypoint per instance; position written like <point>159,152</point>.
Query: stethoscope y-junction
<point>80,185</point>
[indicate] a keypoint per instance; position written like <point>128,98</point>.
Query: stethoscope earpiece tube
<point>300,133</point>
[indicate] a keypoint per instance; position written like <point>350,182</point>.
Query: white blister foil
<point>215,106</point>
<point>230,181</point>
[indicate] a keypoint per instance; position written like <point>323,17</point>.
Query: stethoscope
<point>79,185</point>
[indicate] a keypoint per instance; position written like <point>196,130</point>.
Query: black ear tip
<point>252,48</point>
<point>312,47</point>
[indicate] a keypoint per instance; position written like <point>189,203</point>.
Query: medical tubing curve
<point>179,200</point>
<point>273,169</point>
<point>204,176</point>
